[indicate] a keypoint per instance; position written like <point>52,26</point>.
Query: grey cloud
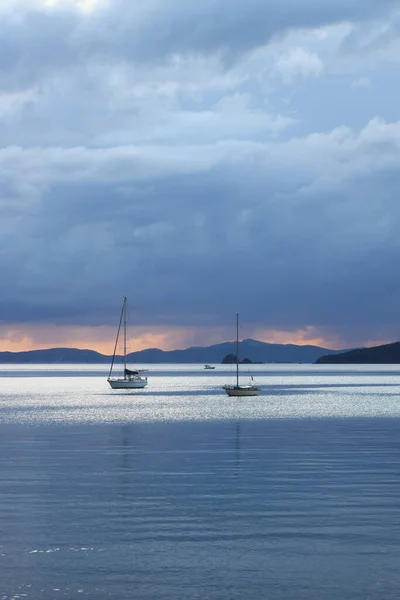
<point>314,248</point>
<point>233,26</point>
<point>372,39</point>
<point>34,43</point>
<point>169,179</point>
<point>41,41</point>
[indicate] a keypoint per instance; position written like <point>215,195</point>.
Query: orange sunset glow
<point>18,338</point>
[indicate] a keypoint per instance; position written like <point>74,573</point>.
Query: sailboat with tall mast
<point>131,379</point>
<point>240,390</point>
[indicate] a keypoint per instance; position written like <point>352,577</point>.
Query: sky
<point>201,158</point>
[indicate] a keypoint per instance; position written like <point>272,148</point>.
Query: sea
<point>178,492</point>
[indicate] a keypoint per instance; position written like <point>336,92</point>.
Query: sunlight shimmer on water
<point>187,393</point>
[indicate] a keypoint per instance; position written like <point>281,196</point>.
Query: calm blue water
<point>178,492</point>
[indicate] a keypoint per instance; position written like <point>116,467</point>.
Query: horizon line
<point>86,349</point>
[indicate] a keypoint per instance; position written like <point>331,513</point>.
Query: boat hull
<point>127,384</point>
<point>242,391</point>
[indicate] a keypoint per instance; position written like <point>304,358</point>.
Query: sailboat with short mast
<point>131,379</point>
<point>240,390</point>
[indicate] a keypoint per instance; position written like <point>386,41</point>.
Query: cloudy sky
<point>200,158</point>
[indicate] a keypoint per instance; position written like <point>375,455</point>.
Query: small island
<point>230,359</point>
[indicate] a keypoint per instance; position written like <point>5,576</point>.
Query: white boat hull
<point>128,384</point>
<point>242,390</point>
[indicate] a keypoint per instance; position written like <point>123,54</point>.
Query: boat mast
<point>237,349</point>
<point>116,340</point>
<point>124,335</point>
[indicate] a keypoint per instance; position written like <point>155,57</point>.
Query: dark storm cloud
<point>305,250</point>
<point>135,161</point>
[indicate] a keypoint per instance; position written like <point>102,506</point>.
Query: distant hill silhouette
<point>386,354</point>
<point>55,356</point>
<point>257,351</point>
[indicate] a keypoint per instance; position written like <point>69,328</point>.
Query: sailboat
<point>131,379</point>
<point>240,390</point>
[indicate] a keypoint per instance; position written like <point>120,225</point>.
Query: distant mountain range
<point>388,354</point>
<point>252,349</point>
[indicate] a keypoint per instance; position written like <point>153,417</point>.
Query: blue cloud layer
<point>201,159</point>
